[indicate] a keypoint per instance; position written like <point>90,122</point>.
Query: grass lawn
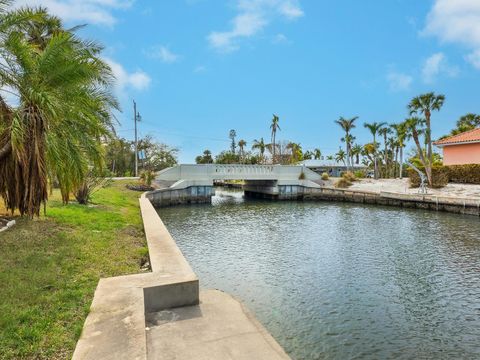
<point>50,267</point>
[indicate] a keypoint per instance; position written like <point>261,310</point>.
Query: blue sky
<point>198,68</point>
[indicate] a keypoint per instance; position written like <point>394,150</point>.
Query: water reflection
<point>341,281</point>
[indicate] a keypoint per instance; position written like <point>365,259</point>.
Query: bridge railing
<point>235,172</point>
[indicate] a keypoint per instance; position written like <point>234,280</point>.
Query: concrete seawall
<point>163,315</point>
<point>456,205</point>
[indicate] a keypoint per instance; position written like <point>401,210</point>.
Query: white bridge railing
<point>209,172</point>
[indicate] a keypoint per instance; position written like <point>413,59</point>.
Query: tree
<point>232,135</point>
<point>64,92</point>
<point>384,131</point>
<point>261,147</point>
<point>340,156</point>
<point>424,105</point>
<point>374,128</point>
<point>466,123</point>
<point>308,155</point>
<point>414,129</point>
<point>356,152</point>
<point>158,156</point>
<point>401,135</point>
<point>274,127</point>
<point>206,158</point>
<point>296,153</point>
<point>120,157</point>
<point>241,145</point>
<point>317,154</point>
<point>347,125</point>
<point>227,157</point>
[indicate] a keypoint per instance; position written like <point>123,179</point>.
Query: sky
<point>198,68</point>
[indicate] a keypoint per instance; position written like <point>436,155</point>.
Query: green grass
<point>50,267</point>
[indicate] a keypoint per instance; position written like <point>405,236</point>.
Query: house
<point>461,149</point>
<point>332,168</point>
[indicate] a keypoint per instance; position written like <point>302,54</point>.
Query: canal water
<point>341,281</point>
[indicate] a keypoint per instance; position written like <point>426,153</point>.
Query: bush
<point>359,174</point>
<point>466,174</point>
<point>440,175</point>
<point>325,176</point>
<point>147,177</point>
<point>343,183</point>
<point>302,176</point>
<point>350,176</point>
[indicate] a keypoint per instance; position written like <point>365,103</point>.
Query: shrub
<point>440,175</point>
<point>302,176</point>
<point>466,174</point>
<point>343,183</point>
<point>359,174</point>
<point>350,176</point>
<point>147,177</point>
<point>93,182</point>
<point>325,176</point>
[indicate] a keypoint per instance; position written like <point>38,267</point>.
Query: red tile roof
<point>471,136</point>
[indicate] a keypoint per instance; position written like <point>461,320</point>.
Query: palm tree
<point>64,92</point>
<point>466,122</point>
<point>295,152</point>
<point>356,152</point>
<point>274,127</point>
<point>347,125</point>
<point>424,105</point>
<point>340,156</point>
<point>241,145</point>
<point>374,128</point>
<point>317,154</point>
<point>330,157</point>
<point>384,131</point>
<point>260,146</point>
<point>401,135</point>
<point>414,129</point>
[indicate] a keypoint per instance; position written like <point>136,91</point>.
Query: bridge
<point>194,183</point>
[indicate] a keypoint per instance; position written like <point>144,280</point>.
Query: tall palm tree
<point>241,145</point>
<point>414,126</point>
<point>260,146</point>
<point>374,128</point>
<point>384,131</point>
<point>424,105</point>
<point>401,135</point>
<point>317,154</point>
<point>347,125</point>
<point>274,127</point>
<point>63,112</point>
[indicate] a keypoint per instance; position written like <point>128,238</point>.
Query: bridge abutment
<point>189,195</point>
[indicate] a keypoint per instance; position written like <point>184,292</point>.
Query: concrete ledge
<point>124,307</point>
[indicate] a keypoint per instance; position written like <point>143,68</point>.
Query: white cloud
<point>399,81</point>
<point>435,65</point>
<point>99,12</point>
<point>253,16</point>
<point>199,69</point>
<point>163,53</point>
<point>137,80</point>
<point>280,39</point>
<point>456,21</point>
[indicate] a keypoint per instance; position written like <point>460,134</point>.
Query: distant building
<point>461,149</point>
<point>332,168</point>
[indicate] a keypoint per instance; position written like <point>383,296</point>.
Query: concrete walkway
<point>219,328</point>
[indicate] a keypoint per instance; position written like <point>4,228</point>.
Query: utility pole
<point>136,117</point>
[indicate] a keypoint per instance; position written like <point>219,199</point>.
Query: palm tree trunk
<point>422,157</point>
<point>401,162</point>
